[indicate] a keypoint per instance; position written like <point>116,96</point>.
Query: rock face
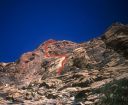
<point>66,73</point>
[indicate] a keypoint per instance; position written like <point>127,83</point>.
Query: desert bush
<point>115,93</point>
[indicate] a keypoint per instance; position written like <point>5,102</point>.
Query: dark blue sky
<point>25,24</point>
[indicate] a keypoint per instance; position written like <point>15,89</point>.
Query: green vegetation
<point>115,93</point>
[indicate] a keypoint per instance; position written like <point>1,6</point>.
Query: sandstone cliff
<point>67,73</point>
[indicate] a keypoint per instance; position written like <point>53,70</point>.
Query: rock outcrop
<point>66,73</point>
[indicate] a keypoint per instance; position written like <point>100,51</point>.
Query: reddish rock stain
<point>47,55</point>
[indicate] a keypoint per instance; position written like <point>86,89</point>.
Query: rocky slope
<point>66,73</point>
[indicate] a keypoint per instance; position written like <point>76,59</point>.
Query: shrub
<point>115,93</point>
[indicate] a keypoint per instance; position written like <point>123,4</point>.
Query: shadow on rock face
<point>81,96</point>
